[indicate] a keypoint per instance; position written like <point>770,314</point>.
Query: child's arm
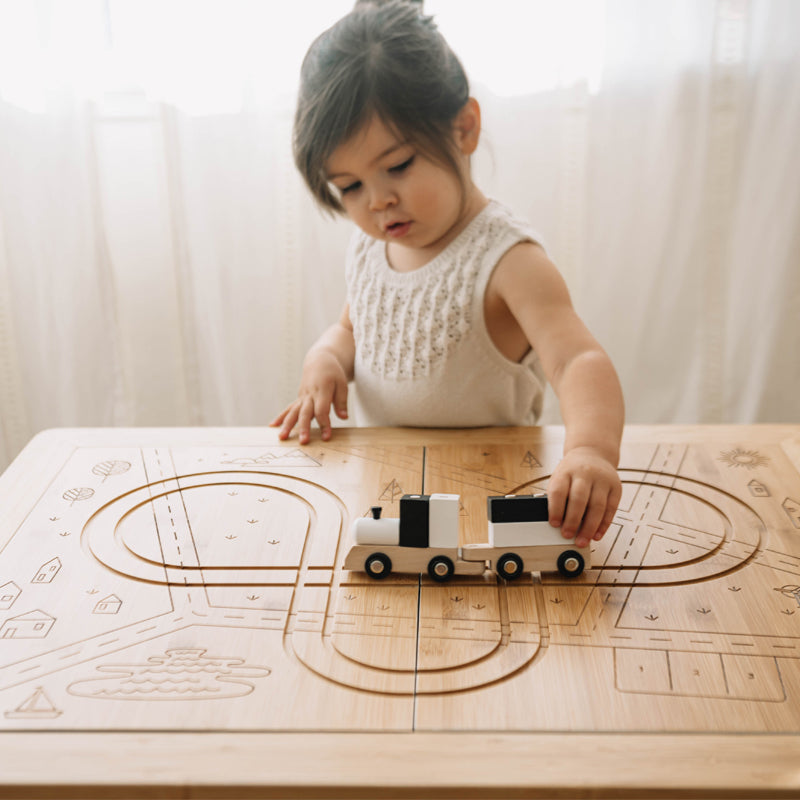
<point>584,490</point>
<point>327,368</point>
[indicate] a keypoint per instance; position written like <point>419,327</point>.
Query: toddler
<point>455,316</point>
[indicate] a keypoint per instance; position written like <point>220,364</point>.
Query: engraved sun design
<point>750,459</point>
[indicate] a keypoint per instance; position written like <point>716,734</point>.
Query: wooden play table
<point>175,621</point>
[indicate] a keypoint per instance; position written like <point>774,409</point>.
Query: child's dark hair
<point>383,58</point>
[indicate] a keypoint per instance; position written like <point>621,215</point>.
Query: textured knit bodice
<point>423,355</point>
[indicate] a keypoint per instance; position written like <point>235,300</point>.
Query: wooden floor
<point>183,588</point>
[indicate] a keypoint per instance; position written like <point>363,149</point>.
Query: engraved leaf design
<point>82,493</point>
<point>108,468</point>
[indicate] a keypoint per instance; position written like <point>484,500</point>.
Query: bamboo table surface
<point>175,621</point>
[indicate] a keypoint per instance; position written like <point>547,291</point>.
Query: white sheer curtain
<point>160,263</point>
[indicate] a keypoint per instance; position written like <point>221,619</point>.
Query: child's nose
<point>382,197</point>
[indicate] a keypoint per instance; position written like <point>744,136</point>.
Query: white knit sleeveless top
<point>423,355</point>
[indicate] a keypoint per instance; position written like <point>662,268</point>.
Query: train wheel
<point>570,563</point>
<point>509,566</point>
<point>378,565</point>
<point>441,569</point>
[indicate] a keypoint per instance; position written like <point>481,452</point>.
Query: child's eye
<point>400,167</point>
<point>351,187</point>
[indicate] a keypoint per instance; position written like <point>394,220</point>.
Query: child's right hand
<point>324,381</point>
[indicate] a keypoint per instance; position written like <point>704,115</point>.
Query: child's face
<point>394,192</point>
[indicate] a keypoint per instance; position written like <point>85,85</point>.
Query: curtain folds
<point>162,264</point>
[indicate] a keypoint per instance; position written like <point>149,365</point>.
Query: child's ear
<point>468,127</point>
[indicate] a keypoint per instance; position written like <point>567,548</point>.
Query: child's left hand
<point>583,494</point>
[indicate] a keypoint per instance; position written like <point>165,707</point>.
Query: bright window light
<point>519,47</point>
<point>212,56</point>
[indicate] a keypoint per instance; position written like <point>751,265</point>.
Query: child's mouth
<point>398,229</point>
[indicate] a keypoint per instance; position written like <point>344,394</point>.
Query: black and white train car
<point>521,539</point>
<point>425,539</point>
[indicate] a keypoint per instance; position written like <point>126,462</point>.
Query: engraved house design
<point>9,592</point>
<point>33,625</point>
<point>108,605</point>
<point>48,571</point>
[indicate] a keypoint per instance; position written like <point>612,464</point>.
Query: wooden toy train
<point>425,538</point>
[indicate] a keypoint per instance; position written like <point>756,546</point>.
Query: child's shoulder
<point>509,228</point>
<point>518,222</point>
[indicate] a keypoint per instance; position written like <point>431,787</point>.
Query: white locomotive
<point>425,539</point>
